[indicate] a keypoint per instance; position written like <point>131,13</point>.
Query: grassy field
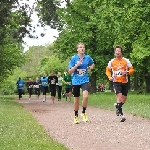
<point>135,104</point>
<point>20,131</point>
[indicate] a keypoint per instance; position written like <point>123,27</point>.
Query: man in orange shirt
<point>117,71</point>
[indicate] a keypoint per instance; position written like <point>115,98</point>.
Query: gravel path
<point>102,132</point>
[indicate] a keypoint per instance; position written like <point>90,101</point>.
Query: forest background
<point>99,24</point>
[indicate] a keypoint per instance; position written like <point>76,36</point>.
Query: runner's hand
<point>111,79</point>
<point>90,68</point>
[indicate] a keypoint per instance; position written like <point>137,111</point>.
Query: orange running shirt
<point>115,68</point>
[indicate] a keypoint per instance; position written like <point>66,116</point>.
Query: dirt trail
<point>102,132</point>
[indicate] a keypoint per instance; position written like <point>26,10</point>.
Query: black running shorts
<point>76,89</point>
<point>120,88</point>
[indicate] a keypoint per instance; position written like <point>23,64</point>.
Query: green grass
<point>20,131</point>
<point>136,104</point>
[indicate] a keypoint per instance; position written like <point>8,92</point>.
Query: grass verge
<point>20,131</point>
<point>135,104</point>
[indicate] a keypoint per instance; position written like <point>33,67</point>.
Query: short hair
<point>118,46</point>
<point>79,44</point>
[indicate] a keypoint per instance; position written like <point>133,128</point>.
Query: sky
<point>47,39</point>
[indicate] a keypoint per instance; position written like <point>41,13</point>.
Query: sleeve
<point>48,80</point>
<point>108,70</point>
<point>64,80</point>
<point>56,79</point>
<point>130,67</point>
<point>131,70</point>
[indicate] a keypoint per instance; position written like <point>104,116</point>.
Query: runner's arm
<point>131,70</point>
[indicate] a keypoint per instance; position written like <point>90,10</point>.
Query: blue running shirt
<point>80,75</point>
<point>44,81</point>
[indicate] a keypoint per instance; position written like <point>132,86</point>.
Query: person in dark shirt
<point>30,87</point>
<point>52,80</point>
<point>37,85</point>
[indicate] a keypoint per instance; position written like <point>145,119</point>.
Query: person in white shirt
<point>59,85</point>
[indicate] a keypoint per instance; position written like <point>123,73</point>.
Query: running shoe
<point>122,118</point>
<point>76,120</point>
<point>117,111</point>
<point>84,117</point>
<point>44,100</point>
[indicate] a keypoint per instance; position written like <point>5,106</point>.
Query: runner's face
<point>52,73</point>
<point>81,49</point>
<point>118,53</point>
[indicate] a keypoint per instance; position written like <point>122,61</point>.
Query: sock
<point>119,106</point>
<point>84,108</point>
<point>76,113</point>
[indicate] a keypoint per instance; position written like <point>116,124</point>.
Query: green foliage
<point>15,18</point>
<point>33,57</point>
<point>49,63</point>
<point>47,12</point>
<point>8,87</point>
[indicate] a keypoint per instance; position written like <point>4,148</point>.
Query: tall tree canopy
<point>15,24</point>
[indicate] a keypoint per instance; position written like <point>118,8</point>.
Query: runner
<point>30,87</point>
<point>68,85</point>
<point>44,86</point>
<point>59,85</point>
<point>79,66</point>
<point>20,86</point>
<point>37,85</point>
<point>117,71</point>
<point>52,80</point>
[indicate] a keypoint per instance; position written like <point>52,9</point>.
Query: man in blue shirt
<point>20,86</point>
<point>79,66</point>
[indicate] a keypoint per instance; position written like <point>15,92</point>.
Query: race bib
<point>30,86</point>
<point>52,81</point>
<point>118,73</point>
<point>81,72</point>
<point>44,83</point>
<point>36,86</point>
<point>69,83</point>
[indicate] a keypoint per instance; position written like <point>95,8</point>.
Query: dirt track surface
<point>102,132</point>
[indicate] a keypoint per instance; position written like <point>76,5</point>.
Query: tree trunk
<point>129,86</point>
<point>93,82</point>
<point>147,84</point>
<point>135,86</point>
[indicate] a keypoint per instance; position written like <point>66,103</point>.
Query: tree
<point>49,63</point>
<point>15,19</point>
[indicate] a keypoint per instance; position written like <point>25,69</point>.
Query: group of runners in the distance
<point>117,71</point>
<point>52,83</point>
